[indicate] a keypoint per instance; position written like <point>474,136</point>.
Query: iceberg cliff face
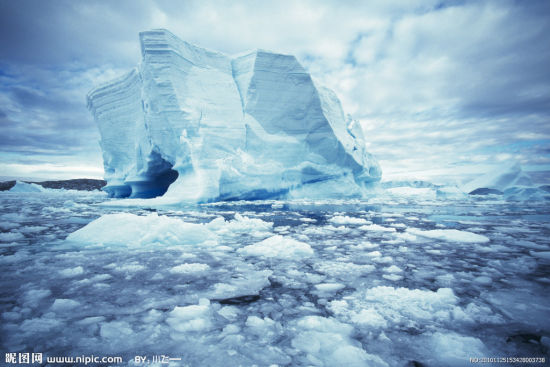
<point>202,126</point>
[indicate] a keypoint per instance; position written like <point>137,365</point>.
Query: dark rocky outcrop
<point>84,184</point>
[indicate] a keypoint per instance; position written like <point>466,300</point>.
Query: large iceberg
<point>199,125</point>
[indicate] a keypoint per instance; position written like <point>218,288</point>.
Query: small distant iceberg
<point>508,180</point>
<point>500,179</point>
<point>21,186</point>
<point>73,186</point>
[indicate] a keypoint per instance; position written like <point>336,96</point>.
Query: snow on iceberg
<point>199,125</point>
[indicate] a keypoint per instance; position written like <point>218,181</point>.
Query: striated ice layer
<point>198,125</point>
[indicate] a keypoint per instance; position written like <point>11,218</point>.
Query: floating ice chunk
<point>326,289</point>
<point>329,287</point>
<point>545,255</point>
<point>127,229</point>
<point>189,268</point>
<point>400,306</point>
<point>231,329</point>
<point>191,318</point>
<point>366,246</point>
<point>32,229</point>
<point>130,268</point>
<point>34,296</point>
<point>41,325</point>
<point>338,306</point>
<point>326,230</point>
<point>452,235</point>
<point>392,277</point>
<point>223,290</point>
<point>229,312</point>
<point>533,313</point>
<point>317,231</point>
<point>11,315</point>
<point>250,282</point>
<point>483,280</point>
<point>265,328</point>
<point>92,320</point>
<point>328,342</point>
<point>476,229</point>
<point>72,272</point>
<point>477,313</point>
<point>398,225</point>
<point>383,260</point>
<point>455,350</point>
<point>343,270</point>
<point>11,236</point>
<point>354,357</point>
<point>279,247</point>
<point>369,317</point>
<point>445,280</point>
<point>100,278</point>
<point>405,236</point>
<point>339,219</point>
<point>376,228</point>
<point>157,276</point>
<point>393,269</point>
<point>62,305</point>
<point>396,241</point>
<point>17,257</point>
<point>240,224</point>
<point>116,331</point>
<point>6,226</point>
<point>391,215</point>
<point>282,229</point>
<point>14,217</point>
<point>530,245</point>
<point>153,316</point>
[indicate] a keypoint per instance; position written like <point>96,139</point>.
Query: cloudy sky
<point>442,88</point>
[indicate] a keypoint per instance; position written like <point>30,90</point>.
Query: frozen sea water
<point>391,281</point>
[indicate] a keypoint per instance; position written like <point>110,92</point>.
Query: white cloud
<point>434,84</point>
